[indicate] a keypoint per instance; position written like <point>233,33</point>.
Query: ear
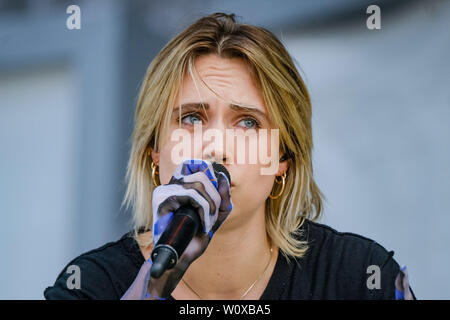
<point>283,165</point>
<point>155,156</point>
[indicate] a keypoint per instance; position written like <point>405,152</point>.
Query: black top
<point>334,267</point>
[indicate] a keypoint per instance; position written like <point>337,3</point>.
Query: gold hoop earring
<point>283,177</point>
<point>154,172</point>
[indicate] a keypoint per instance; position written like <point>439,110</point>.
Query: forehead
<point>231,78</point>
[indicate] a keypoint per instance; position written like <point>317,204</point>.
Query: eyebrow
<point>234,107</point>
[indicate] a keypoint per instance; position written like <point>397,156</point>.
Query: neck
<point>236,257</point>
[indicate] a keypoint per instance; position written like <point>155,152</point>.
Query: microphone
<point>178,234</point>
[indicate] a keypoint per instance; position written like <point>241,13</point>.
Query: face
<point>232,81</point>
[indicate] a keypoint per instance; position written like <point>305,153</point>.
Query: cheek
<point>166,166</point>
<point>175,148</point>
<point>253,190</point>
<point>262,186</point>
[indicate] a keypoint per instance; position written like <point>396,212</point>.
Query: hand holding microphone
<point>186,213</point>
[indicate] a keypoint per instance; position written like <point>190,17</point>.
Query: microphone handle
<point>174,240</point>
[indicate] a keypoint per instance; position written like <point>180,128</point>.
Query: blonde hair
<point>287,101</point>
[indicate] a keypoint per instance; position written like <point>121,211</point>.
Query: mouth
<point>231,182</point>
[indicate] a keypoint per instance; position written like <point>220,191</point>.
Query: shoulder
<point>103,273</point>
<point>348,264</point>
<point>345,246</point>
<point>318,234</point>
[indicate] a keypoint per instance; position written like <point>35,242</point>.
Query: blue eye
<point>250,123</point>
<point>191,116</point>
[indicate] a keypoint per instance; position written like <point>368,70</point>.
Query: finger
<point>163,210</point>
<point>163,204</point>
<point>192,166</point>
<point>170,197</point>
<point>224,190</point>
<point>192,170</point>
<point>200,189</point>
<point>226,205</point>
<point>201,182</point>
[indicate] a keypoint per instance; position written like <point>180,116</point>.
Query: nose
<point>217,147</point>
<point>219,157</point>
<point>213,155</point>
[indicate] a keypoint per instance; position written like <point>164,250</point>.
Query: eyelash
<point>257,124</point>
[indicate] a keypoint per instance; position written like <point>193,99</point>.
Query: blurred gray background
<point>381,123</point>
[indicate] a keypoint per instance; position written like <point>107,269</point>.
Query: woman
<point>258,239</point>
